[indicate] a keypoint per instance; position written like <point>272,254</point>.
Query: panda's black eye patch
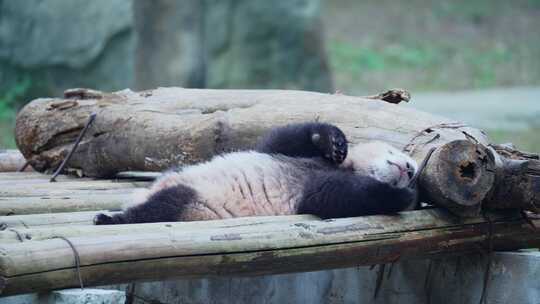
<point>390,151</point>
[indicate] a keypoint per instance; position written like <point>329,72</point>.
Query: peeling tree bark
<point>153,130</point>
<point>517,181</point>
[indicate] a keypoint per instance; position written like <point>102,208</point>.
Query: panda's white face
<point>381,161</point>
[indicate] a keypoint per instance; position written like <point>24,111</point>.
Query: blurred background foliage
<point>353,46</point>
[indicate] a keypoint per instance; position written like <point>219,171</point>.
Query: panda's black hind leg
<point>103,219</point>
<point>166,205</point>
<point>312,139</point>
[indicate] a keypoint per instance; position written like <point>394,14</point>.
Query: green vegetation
<point>432,46</point>
<point>8,106</point>
<point>355,60</point>
<point>526,140</point>
<point>421,67</point>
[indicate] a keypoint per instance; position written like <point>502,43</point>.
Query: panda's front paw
<point>331,142</point>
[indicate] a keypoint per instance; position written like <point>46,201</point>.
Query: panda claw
<point>339,147</point>
<point>332,143</point>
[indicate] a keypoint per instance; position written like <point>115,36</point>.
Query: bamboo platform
<point>45,228</point>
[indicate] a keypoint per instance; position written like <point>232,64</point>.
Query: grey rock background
<point>170,43</point>
<point>57,44</point>
<point>60,44</point>
<point>266,44</point>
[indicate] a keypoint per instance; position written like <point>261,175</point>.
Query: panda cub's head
<point>381,161</point>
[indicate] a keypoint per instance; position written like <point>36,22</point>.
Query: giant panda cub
<point>302,168</point>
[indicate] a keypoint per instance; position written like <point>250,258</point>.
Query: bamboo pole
<point>21,234</point>
<point>278,248</point>
<point>65,201</point>
<point>29,221</point>
<point>35,189</point>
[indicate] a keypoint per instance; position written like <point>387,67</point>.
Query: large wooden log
<point>517,181</point>
<point>155,129</point>
<point>274,248</point>
<point>152,130</point>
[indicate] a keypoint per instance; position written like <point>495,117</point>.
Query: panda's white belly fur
<point>238,184</point>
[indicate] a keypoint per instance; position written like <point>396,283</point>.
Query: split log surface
<point>304,245</point>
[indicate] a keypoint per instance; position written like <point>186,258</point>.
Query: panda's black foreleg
<point>338,194</point>
<point>312,139</point>
<point>165,205</point>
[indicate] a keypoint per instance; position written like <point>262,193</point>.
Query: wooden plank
<point>19,234</point>
<point>65,201</point>
<point>28,175</point>
<point>29,221</point>
<point>276,248</point>
<point>19,189</point>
